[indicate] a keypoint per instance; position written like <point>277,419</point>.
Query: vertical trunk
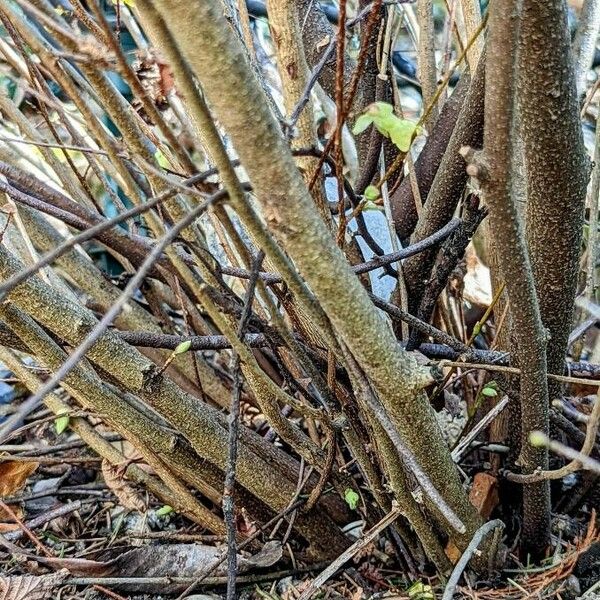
<point>556,165</point>
<point>496,169</point>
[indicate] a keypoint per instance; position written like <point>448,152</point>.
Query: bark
<point>448,186</point>
<point>556,165</point>
<point>495,169</point>
<point>177,496</point>
<point>426,62</point>
<point>374,88</point>
<point>471,10</point>
<point>239,105</point>
<point>316,34</point>
<point>294,74</point>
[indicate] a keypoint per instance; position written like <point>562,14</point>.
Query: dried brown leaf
<point>13,475</point>
<point>128,497</point>
<point>31,587</point>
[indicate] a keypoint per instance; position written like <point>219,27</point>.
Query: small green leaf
<point>538,439</point>
<point>381,114</point>
<point>381,109</point>
<point>489,391</point>
<point>165,510</point>
<point>161,159</point>
<point>401,134</point>
<point>371,193</point>
<point>362,123</point>
<point>351,498</point>
<point>183,347</point>
<point>420,591</point>
<point>61,423</point>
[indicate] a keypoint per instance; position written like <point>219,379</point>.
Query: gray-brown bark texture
<point>556,165</point>
<point>495,170</point>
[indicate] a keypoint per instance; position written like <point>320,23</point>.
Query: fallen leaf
<point>115,480</point>
<point>31,587</point>
<point>13,475</point>
<point>484,494</point>
<point>484,497</point>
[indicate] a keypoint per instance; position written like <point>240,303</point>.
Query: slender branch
<point>363,541</point>
<point>89,233</point>
<point>461,565</point>
<point>579,459</point>
<point>426,58</point>
<point>584,44</point>
<point>234,418</point>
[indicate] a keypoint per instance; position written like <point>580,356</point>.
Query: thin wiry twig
<point>579,460</point>
<point>234,417</point>
<point>343,558</point>
<point>467,554</point>
<point>87,234</point>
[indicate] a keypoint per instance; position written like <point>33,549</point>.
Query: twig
<point>578,459</point>
<point>350,552</point>
<point>401,315</point>
<point>584,44</point>
<point>412,464</point>
<point>318,489</point>
<point>218,561</point>
<point>8,510</point>
<point>465,442</point>
<point>91,232</point>
<point>467,554</point>
<point>586,462</point>
<point>234,419</point>
<point>159,582</point>
<point>591,283</point>
<point>375,263</point>
<point>516,371</point>
<point>46,517</point>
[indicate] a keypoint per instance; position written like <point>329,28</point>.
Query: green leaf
<point>401,133</point>
<point>183,347</point>
<point>371,193</point>
<point>362,123</point>
<point>165,510</point>
<point>538,439</point>
<point>489,391</point>
<point>420,591</point>
<point>161,159</point>
<point>351,498</point>
<point>381,109</point>
<point>61,423</point>
<point>381,114</point>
